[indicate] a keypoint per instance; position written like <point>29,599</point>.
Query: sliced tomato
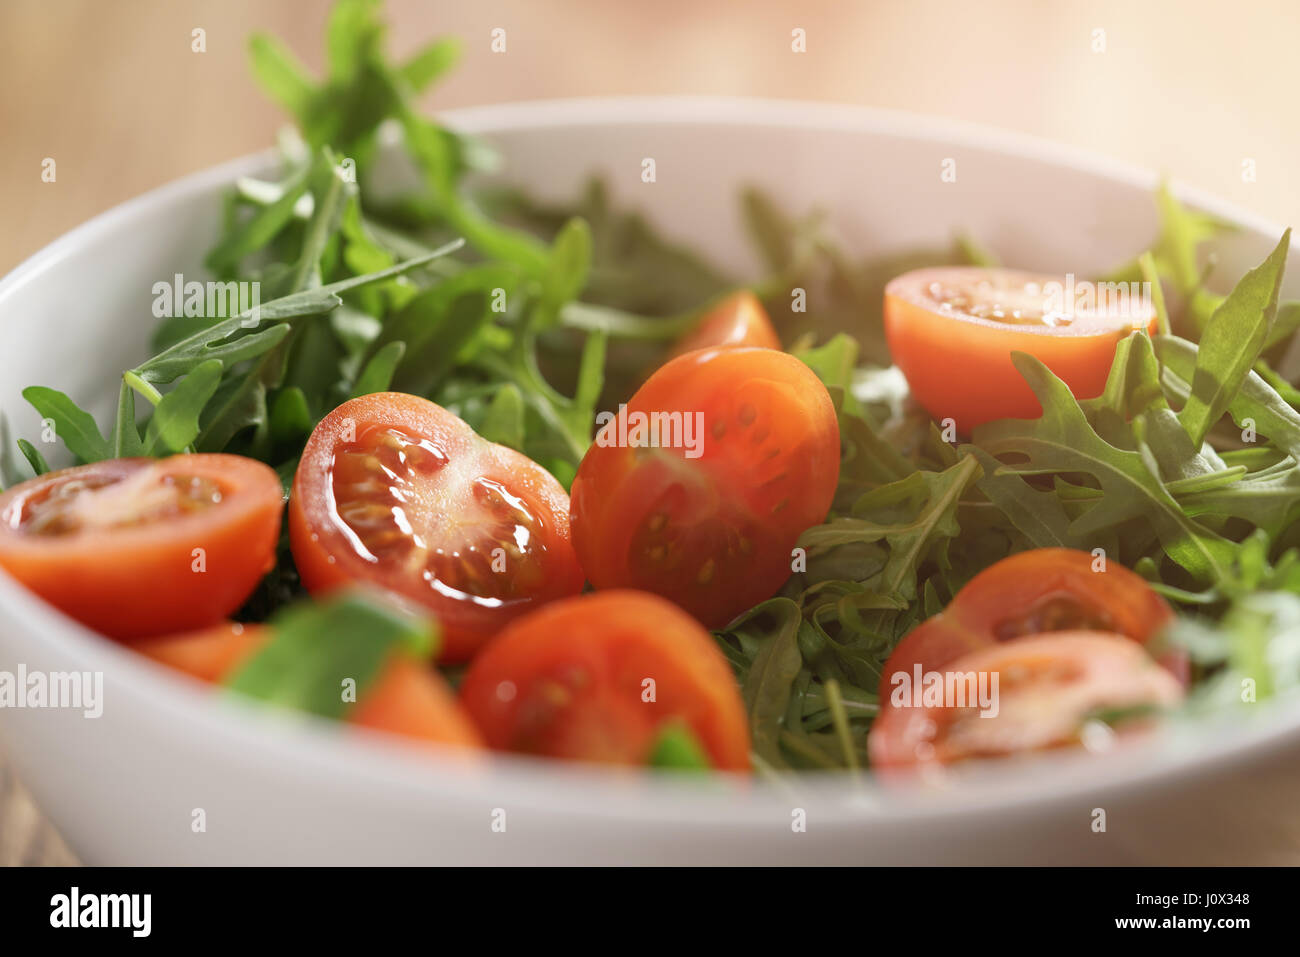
<point>209,654</point>
<point>708,517</point>
<point>1059,589</point>
<point>598,677</point>
<point>1038,591</point>
<point>139,547</point>
<point>952,331</point>
<point>1047,688</point>
<point>395,491</point>
<point>407,697</point>
<point>737,320</point>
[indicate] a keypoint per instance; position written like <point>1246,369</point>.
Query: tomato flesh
<point>1034,592</point>
<point>952,332</point>
<point>598,677</point>
<point>396,491</point>
<point>711,527</point>
<point>1048,687</point>
<point>141,547</point>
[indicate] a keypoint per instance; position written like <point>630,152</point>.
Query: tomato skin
<point>411,699</point>
<point>406,697</point>
<point>712,532</point>
<point>1048,686</point>
<point>208,654</point>
<point>142,580</point>
<point>567,681</point>
<point>960,367</point>
<point>737,320</point>
<point>1018,596</point>
<point>1116,599</point>
<point>326,558</point>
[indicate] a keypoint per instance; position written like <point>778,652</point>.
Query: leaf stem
<point>144,388</point>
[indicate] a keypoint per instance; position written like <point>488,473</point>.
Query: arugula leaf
<point>1232,342</point>
<point>771,664</point>
<point>175,421</point>
<point>1062,443</point>
<point>378,373</point>
<point>317,647</point>
<point>33,457</point>
<point>72,424</point>
<point>223,340</point>
<point>503,421</point>
<point>1256,402</point>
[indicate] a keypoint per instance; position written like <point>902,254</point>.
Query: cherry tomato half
<point>597,677</point>
<point>737,320</point>
<point>407,697</point>
<point>1048,686</point>
<point>952,331</point>
<point>1034,592</point>
<point>140,547</point>
<point>748,456</point>
<point>396,491</point>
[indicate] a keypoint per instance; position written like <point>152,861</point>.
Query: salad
<point>507,476</point>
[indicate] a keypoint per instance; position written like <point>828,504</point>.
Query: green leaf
<point>676,747</point>
<point>570,263</point>
<point>317,647</point>
<point>432,62</point>
<point>503,423</point>
<point>230,340</point>
<point>1232,342</point>
<point>915,516</point>
<point>260,228</point>
<point>33,457</point>
<point>280,74</point>
<point>1062,443</point>
<point>126,437</point>
<point>72,424</point>
<point>290,417</point>
<point>378,373</point>
<point>175,422</point>
<point>767,684</point>
<point>1256,402</point>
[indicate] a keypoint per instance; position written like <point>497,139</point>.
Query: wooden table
<point>26,838</point>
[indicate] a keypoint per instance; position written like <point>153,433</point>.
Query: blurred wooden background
<point>113,93</point>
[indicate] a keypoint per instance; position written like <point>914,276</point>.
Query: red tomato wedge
<point>395,491</point>
<point>140,547</point>
<point>407,698</point>
<point>1048,687</point>
<point>597,678</point>
<point>1035,592</point>
<point>952,331</point>
<point>708,518</point>
<point>737,320</point>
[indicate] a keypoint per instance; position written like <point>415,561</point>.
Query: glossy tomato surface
<point>737,320</point>
<point>1034,592</point>
<point>598,677</point>
<point>709,520</point>
<point>952,332</point>
<point>395,491</point>
<point>407,697</point>
<point>1048,687</point>
<point>140,547</point>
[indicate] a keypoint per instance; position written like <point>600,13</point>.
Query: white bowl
<point>276,789</point>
